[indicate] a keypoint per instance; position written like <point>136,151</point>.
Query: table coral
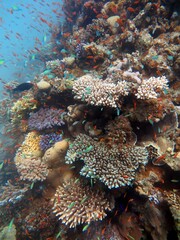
<point>76,203</point>
<point>114,167</point>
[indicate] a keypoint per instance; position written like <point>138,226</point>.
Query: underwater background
<point>89,120</point>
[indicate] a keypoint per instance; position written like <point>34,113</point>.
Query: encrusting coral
<point>55,155</point>
<point>76,203</point>
<point>114,167</point>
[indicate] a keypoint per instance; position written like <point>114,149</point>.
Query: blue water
<point>21,31</point>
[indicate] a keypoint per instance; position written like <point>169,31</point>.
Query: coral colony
<point>92,149</point>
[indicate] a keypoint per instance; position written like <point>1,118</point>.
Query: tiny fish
<point>118,111</point>
<point>165,91</point>
<point>88,149</point>
<point>10,224</point>
<point>1,165</point>
<point>72,167</point>
<point>151,121</point>
<point>71,205</point>
<point>77,180</point>
<point>85,228</point>
<point>2,61</point>
<point>59,234</point>
<point>174,180</point>
<point>130,237</point>
<point>32,185</point>
<point>84,199</point>
<point>155,57</point>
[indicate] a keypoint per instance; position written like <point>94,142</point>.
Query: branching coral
<point>47,140</point>
<point>32,169</point>
<point>22,106</point>
<point>76,203</point>
<point>115,168</point>
<point>46,118</point>
<point>97,92</point>
<point>28,159</point>
<point>108,93</point>
<point>149,88</point>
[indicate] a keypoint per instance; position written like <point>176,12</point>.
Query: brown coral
<point>76,203</point>
<point>55,155</point>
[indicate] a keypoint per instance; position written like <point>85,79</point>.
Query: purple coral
<point>47,140</point>
<point>46,118</point>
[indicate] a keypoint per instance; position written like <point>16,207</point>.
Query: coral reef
<point>113,167</point>
<point>97,92</point>
<point>55,155</point>
<point>7,233</point>
<point>76,203</point>
<point>28,159</point>
<point>46,118</point>
<point>22,106</point>
<point>47,140</point>
<point>99,133</point>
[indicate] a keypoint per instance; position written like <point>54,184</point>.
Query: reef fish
<point>22,87</point>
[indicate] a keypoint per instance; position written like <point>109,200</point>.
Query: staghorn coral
<point>115,168</point>
<point>76,203</point>
<point>106,92</point>
<point>46,118</point>
<point>97,92</point>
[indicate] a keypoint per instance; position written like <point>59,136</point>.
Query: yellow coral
<point>30,147</point>
<point>28,159</point>
<point>21,106</point>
